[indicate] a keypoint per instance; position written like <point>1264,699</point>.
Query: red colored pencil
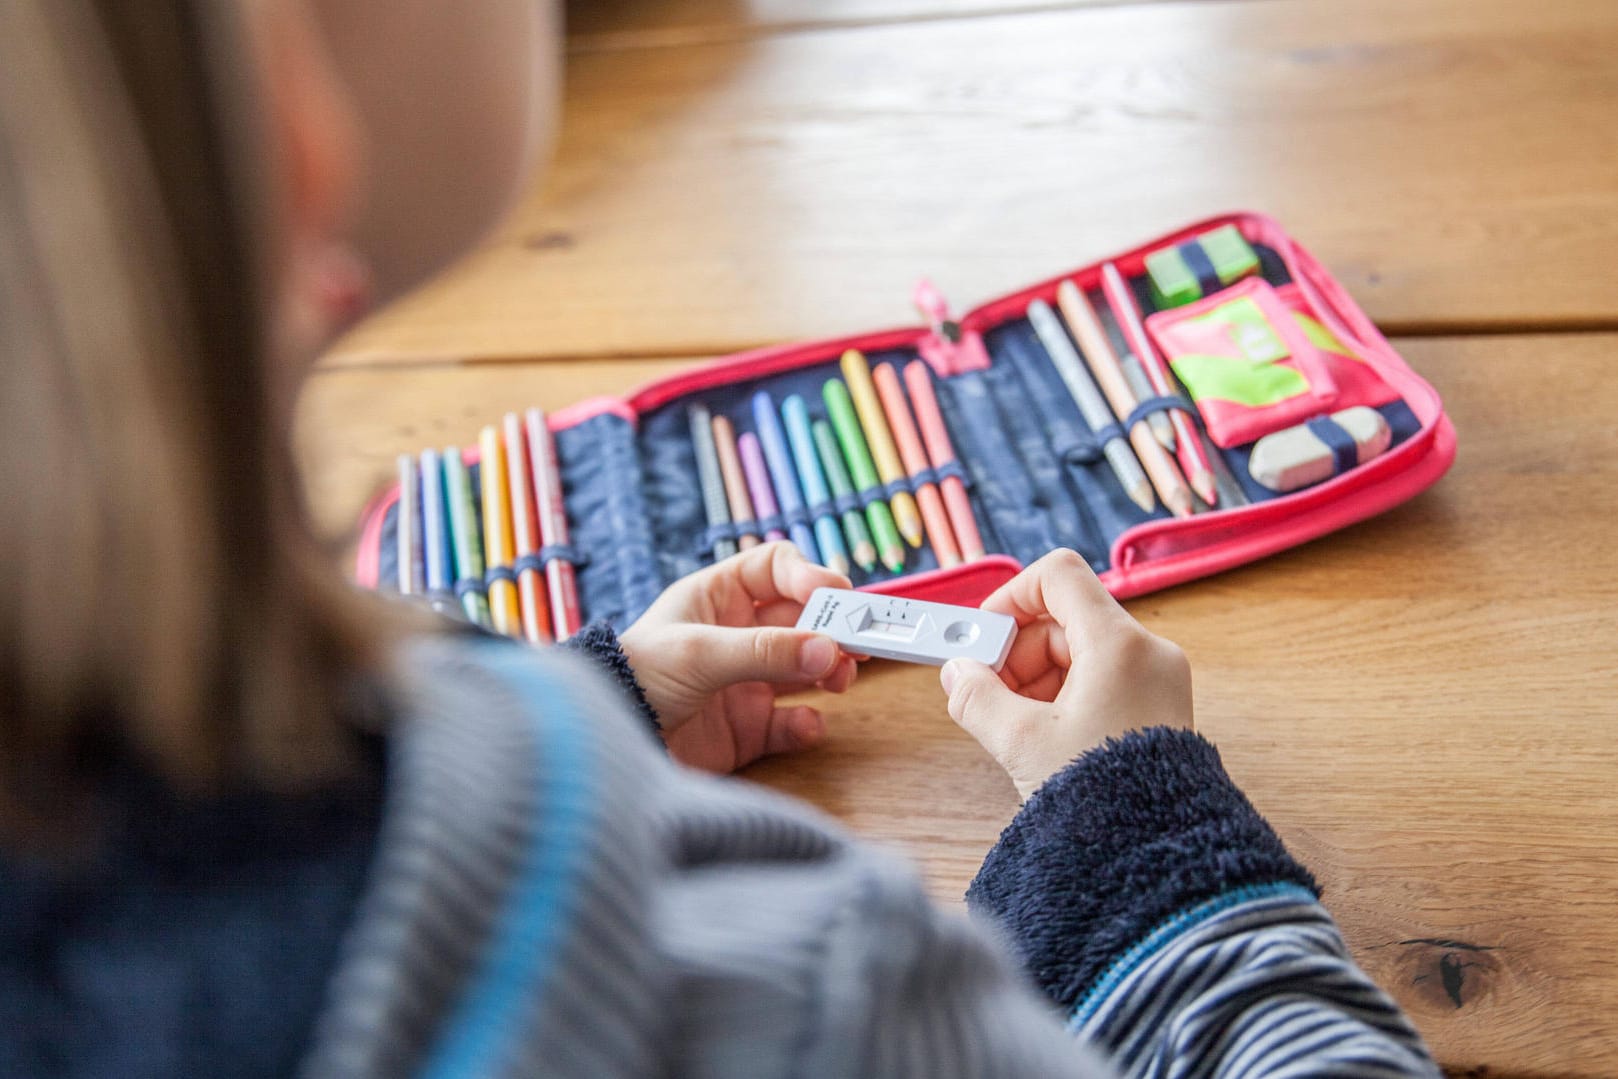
<point>1188,447</point>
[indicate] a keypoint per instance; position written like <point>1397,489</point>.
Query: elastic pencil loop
<point>874,494</point>
<point>952,470</point>
<point>748,528</point>
<point>1162,403</point>
<point>557,552</point>
<point>828,508</point>
<point>899,486</point>
<point>1077,449</point>
<point>797,515</point>
<point>846,503</point>
<point>773,523</point>
<point>1345,453</point>
<point>713,534</point>
<point>499,573</point>
<point>468,584</point>
<point>922,478</point>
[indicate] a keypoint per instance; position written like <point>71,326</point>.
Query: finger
<point>841,677</point>
<point>793,729</point>
<point>1040,646</point>
<point>1061,585</point>
<point>783,612</point>
<point>776,571</point>
<point>720,656</point>
<point>983,705</point>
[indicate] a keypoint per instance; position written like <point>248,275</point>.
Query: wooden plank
<point>618,24</point>
<point>1422,704</point>
<point>1451,161</point>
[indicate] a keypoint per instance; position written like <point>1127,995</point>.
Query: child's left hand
<point>717,646</point>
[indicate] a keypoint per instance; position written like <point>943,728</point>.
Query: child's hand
<point>1080,671</point>
<point>715,648</point>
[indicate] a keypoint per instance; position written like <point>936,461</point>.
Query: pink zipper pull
<point>948,350</point>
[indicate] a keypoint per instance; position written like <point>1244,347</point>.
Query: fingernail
<point>948,674</point>
<point>817,657</point>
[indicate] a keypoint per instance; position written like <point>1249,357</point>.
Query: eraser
<point>1173,283</point>
<point>1319,449</point>
<point>1232,257</point>
<point>908,630</point>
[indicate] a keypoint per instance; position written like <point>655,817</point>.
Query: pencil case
<point>1034,471</point>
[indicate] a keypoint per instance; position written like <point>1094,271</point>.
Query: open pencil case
<point>1034,469</point>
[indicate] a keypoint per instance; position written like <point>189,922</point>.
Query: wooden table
<point>1425,705</point>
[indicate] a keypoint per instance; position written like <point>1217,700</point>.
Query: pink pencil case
<point>1034,470</point>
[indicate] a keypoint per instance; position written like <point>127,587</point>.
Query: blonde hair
<point>161,602</point>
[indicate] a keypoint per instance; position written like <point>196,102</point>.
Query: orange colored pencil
<point>498,536</point>
<point>730,470</point>
<point>1188,447</point>
<point>536,613</point>
<point>914,457</point>
<point>1109,374</point>
<point>919,381</point>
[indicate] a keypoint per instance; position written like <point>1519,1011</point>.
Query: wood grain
<point>1451,160</point>
<point>618,24</point>
<point>1423,704</point>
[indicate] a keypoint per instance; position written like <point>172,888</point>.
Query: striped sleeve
<point>1153,904</point>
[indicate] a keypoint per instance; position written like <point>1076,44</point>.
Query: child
<point>253,824</point>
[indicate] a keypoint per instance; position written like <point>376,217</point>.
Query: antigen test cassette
<point>909,630</point>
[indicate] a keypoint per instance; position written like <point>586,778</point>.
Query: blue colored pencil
<point>795,414</point>
<point>440,567</point>
<point>779,459</point>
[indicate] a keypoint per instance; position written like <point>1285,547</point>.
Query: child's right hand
<point>1080,671</point>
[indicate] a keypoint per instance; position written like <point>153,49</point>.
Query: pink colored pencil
<point>564,585</point>
<point>1188,447</point>
<point>758,482</point>
<point>914,457</point>
<point>919,381</point>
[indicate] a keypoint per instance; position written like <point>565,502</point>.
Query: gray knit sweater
<point>552,896</point>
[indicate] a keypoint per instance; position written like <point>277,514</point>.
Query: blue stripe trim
<point>1344,451</point>
<point>522,952</point>
<point>1164,935</point>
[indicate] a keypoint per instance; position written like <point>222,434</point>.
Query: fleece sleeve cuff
<point>599,643</point>
<point>1114,846</point>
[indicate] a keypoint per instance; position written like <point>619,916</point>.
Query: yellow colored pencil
<point>889,468</point>
<point>499,535</point>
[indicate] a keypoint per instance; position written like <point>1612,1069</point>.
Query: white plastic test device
<point>909,630</point>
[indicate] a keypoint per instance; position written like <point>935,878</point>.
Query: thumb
<point>979,701</point>
<point>722,656</point>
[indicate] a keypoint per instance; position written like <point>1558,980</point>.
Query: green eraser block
<point>1173,283</point>
<point>1231,256</point>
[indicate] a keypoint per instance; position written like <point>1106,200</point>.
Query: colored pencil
<point>758,483</point>
<point>861,549</point>
<point>1188,447</point>
<point>499,535</point>
<point>914,456</point>
<point>779,459</point>
<point>1109,375</point>
<point>467,539</point>
<point>536,612</point>
<point>730,470</point>
<point>935,436</point>
<point>857,373</point>
<point>845,422</point>
<point>795,415</point>
<point>437,548</point>
<point>546,470</point>
<point>715,504</point>
<point>411,570</point>
<point>1092,406</point>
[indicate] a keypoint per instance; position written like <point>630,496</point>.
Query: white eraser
<point>1297,457</point>
<point>909,630</point>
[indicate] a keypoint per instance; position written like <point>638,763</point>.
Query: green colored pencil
<point>840,406</point>
<point>467,537</point>
<point>831,459</point>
